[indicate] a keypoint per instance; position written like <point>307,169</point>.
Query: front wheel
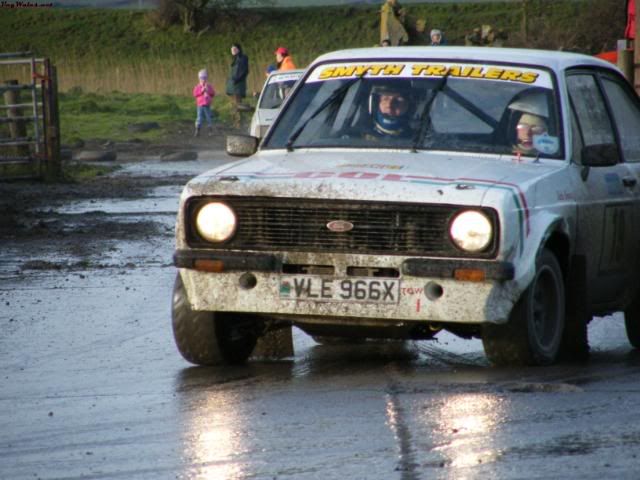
<point>533,334</point>
<point>207,338</point>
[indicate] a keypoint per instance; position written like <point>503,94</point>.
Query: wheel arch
<point>575,343</point>
<point>557,242</point>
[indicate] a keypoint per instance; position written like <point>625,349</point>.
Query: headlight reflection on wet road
<point>212,440</point>
<point>466,428</point>
<point>457,432</point>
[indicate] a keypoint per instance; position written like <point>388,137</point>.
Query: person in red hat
<point>284,60</point>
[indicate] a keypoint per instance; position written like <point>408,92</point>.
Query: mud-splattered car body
<point>345,230</point>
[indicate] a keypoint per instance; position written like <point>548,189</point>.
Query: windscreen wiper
<point>337,94</point>
<point>426,113</point>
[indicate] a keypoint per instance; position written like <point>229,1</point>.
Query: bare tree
<point>194,15</point>
<point>191,13</point>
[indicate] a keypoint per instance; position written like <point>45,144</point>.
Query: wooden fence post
<point>625,60</point>
<point>53,168</point>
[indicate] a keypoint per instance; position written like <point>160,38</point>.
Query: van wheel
<point>533,334</point>
<point>207,338</point>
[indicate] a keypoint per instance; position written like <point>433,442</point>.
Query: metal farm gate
<point>29,121</point>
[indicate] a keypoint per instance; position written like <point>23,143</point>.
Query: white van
<point>276,88</point>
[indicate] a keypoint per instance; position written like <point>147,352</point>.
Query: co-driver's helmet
<point>534,103</point>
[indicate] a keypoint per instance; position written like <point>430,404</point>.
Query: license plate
<point>319,289</point>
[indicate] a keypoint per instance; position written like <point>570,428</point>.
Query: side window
<point>590,110</point>
<point>627,117</point>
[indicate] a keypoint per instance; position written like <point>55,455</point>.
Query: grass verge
<point>86,115</point>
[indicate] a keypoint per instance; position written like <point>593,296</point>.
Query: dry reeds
<point>171,77</point>
<point>156,76</point>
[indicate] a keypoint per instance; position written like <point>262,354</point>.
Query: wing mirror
<point>241,145</point>
<point>601,155</point>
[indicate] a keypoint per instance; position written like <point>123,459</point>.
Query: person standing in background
<point>392,28</point>
<point>284,61</point>
<point>237,81</point>
<point>203,93</point>
<point>437,39</point>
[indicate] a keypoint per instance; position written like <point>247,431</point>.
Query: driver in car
<point>390,108</point>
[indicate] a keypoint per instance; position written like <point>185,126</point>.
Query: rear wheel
<point>207,338</point>
<point>575,340</point>
<point>533,334</point>
<point>632,323</point>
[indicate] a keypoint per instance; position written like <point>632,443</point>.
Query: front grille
<point>290,224</point>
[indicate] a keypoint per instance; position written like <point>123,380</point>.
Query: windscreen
<point>420,105</point>
<point>277,89</point>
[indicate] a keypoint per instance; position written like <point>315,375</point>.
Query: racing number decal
<point>615,238</point>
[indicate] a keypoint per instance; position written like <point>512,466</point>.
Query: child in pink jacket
<point>204,93</point>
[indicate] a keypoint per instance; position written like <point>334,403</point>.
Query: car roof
<point>555,60</point>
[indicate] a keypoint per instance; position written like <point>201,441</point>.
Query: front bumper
<point>437,290</point>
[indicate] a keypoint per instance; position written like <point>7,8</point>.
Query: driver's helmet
<point>385,123</point>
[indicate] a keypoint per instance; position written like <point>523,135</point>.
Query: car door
<point>608,223</point>
<point>624,107</point>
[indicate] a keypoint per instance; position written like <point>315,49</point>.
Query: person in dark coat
<point>237,81</point>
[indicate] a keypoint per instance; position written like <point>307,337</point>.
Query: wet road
<point>93,387</point>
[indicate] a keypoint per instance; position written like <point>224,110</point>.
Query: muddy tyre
<point>632,323</point>
<point>533,334</point>
<point>204,339</point>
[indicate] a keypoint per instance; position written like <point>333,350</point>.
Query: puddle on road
<point>157,168</point>
<point>103,232</point>
<point>161,200</point>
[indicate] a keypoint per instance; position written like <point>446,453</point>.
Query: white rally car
<point>274,92</point>
<point>491,193</point>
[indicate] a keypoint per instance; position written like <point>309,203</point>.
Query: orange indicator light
<point>469,275</point>
<point>203,265</point>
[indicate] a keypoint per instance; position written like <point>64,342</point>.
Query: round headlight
<point>471,231</point>
<point>215,222</point>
